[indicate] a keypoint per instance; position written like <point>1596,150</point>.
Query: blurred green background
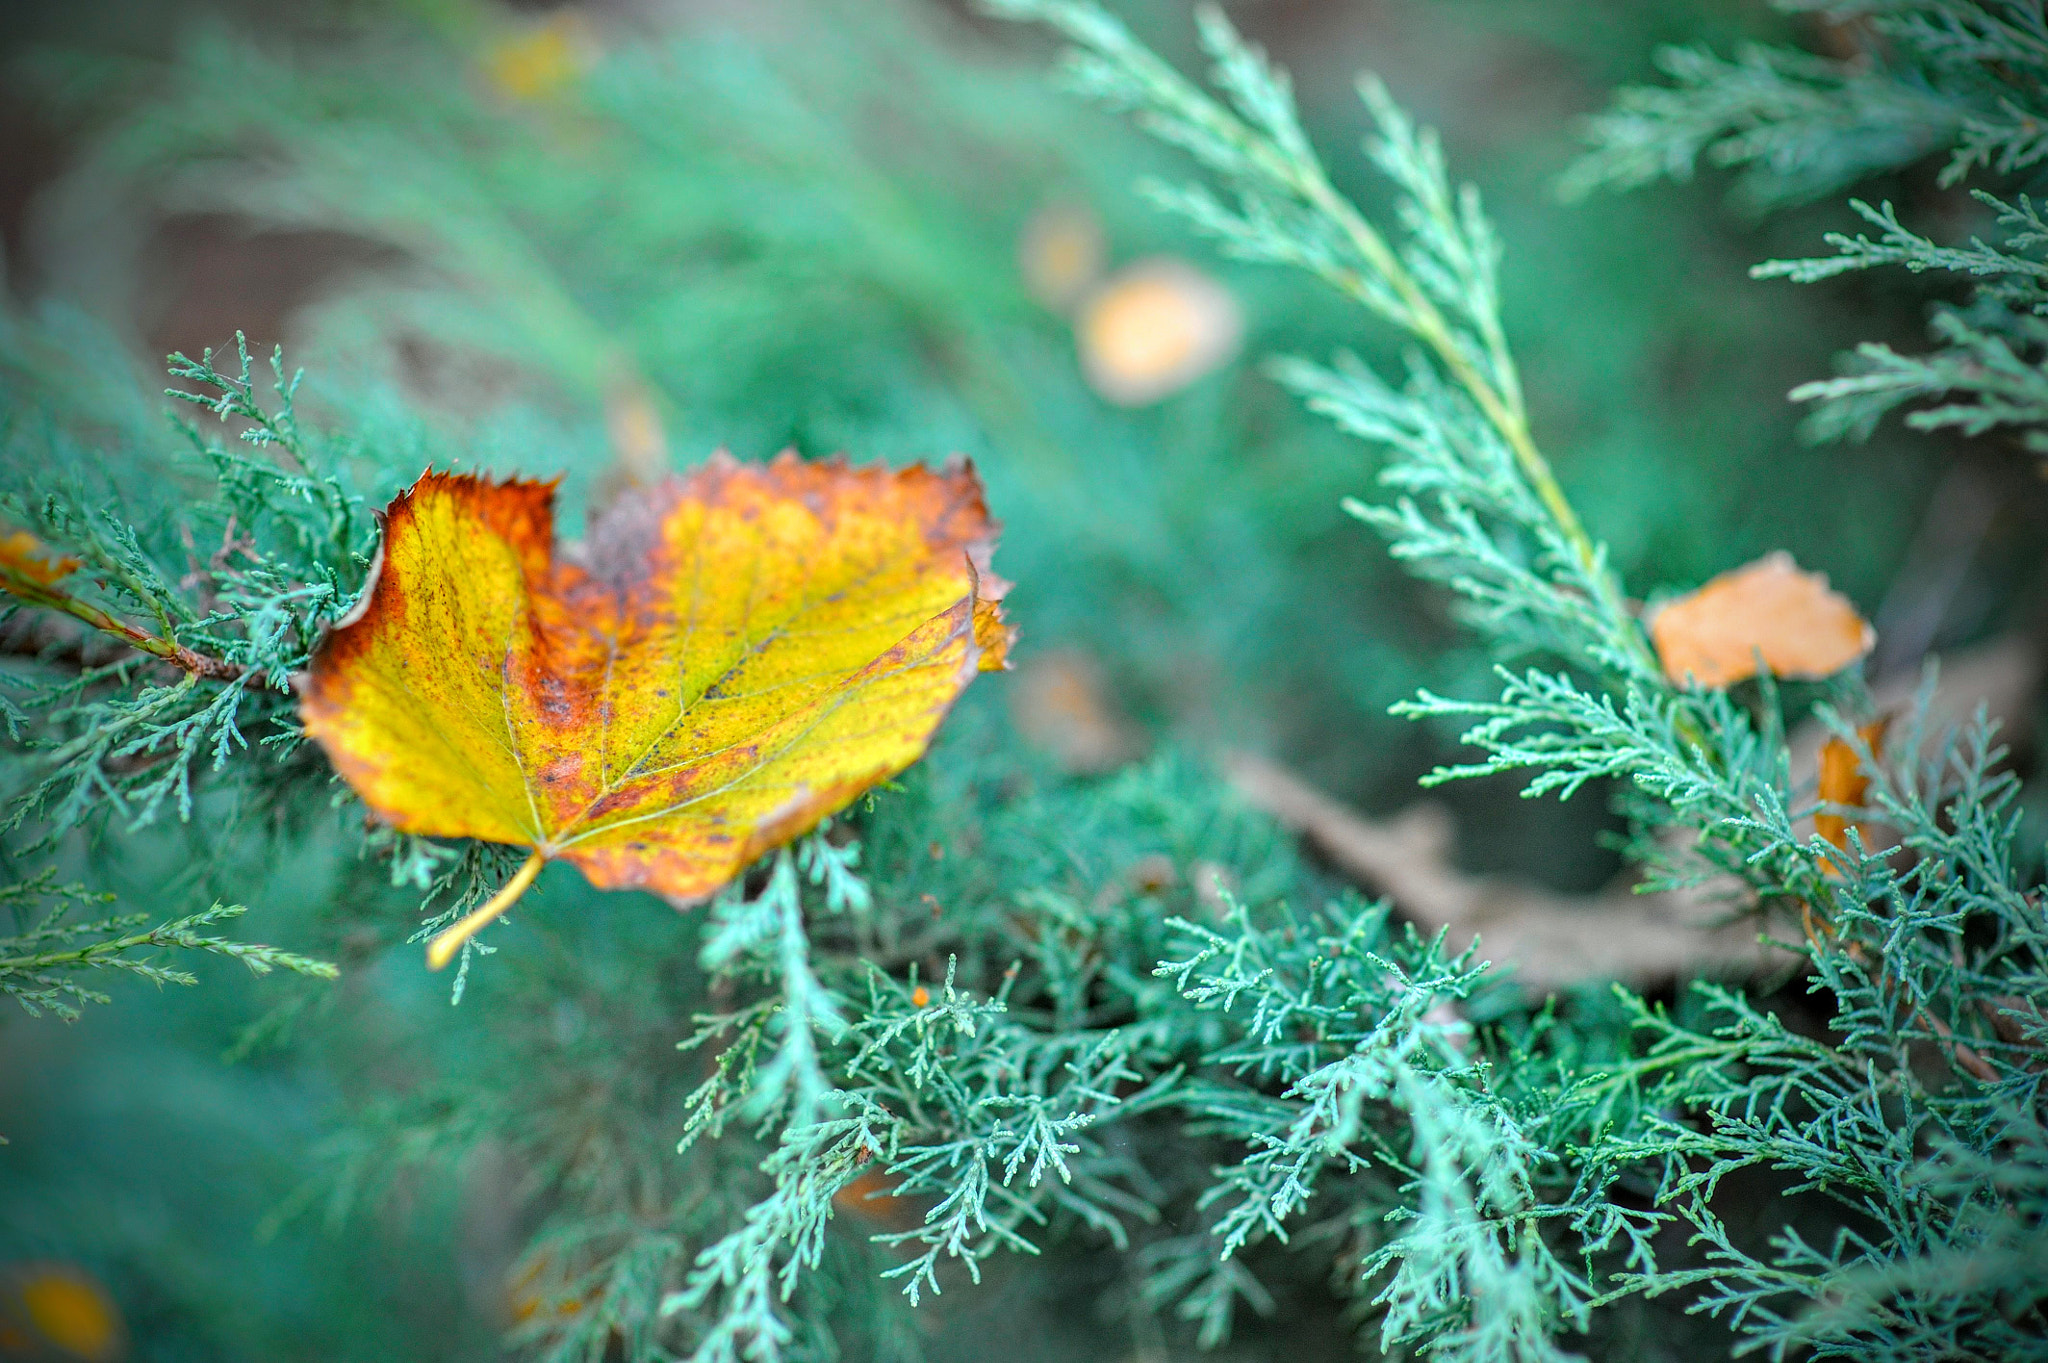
<point>597,238</point>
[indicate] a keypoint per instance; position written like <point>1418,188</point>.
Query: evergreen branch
<point>1979,381</point>
<point>1968,76</point>
<point>1800,126</point>
<point>2021,281</point>
<point>36,964</point>
<point>234,397</point>
<point>767,934</point>
<point>1439,288</point>
<point>1912,959</point>
<point>115,736</point>
<point>1964,76</point>
<point>1991,369</point>
<point>30,590</point>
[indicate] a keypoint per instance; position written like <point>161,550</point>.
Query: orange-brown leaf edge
<point>871,1195</point>
<point>21,553</point>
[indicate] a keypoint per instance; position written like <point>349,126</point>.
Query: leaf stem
<point>449,940</point>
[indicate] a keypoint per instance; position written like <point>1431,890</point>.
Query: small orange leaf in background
<point>23,555</point>
<point>731,658</point>
<point>871,1196</point>
<point>542,60</point>
<point>1844,781</point>
<point>1154,328</point>
<point>1802,630</point>
<point>526,1293</point>
<point>55,1311</point>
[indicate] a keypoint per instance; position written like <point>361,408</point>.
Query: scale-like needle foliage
<point>40,964</point>
<point>1961,82</point>
<point>1938,953</point>
<point>1000,1023</point>
<point>150,654</point>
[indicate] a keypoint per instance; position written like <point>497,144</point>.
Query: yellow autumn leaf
<point>543,59</point>
<point>58,1311</point>
<point>729,659</point>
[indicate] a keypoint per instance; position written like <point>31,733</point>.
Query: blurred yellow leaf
<point>544,58</point>
<point>1768,609</point>
<point>1154,328</point>
<point>1060,254</point>
<point>56,1311</point>
<point>729,659</point>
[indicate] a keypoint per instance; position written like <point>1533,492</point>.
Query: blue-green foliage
<point>1001,1016</point>
<point>285,548</point>
<point>114,734</point>
<point>1991,370</point>
<point>39,961</point>
<point>1964,80</point>
<point>1942,958</point>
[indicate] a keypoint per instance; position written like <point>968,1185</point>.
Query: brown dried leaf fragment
<point>1769,609</point>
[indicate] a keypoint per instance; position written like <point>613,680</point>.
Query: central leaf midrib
<point>560,836</point>
<point>844,698</point>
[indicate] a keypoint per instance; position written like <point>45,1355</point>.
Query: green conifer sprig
<point>1965,78</point>
<point>1991,371</point>
<point>150,633</point>
<point>217,603</point>
<point>1914,958</point>
<point>40,963</point>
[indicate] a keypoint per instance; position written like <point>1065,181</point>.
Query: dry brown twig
<point>1552,940</point>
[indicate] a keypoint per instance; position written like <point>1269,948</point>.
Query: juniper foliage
<point>1965,81</point>
<point>1935,954</point>
<point>39,963</point>
<point>996,1017</point>
<point>117,720</point>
